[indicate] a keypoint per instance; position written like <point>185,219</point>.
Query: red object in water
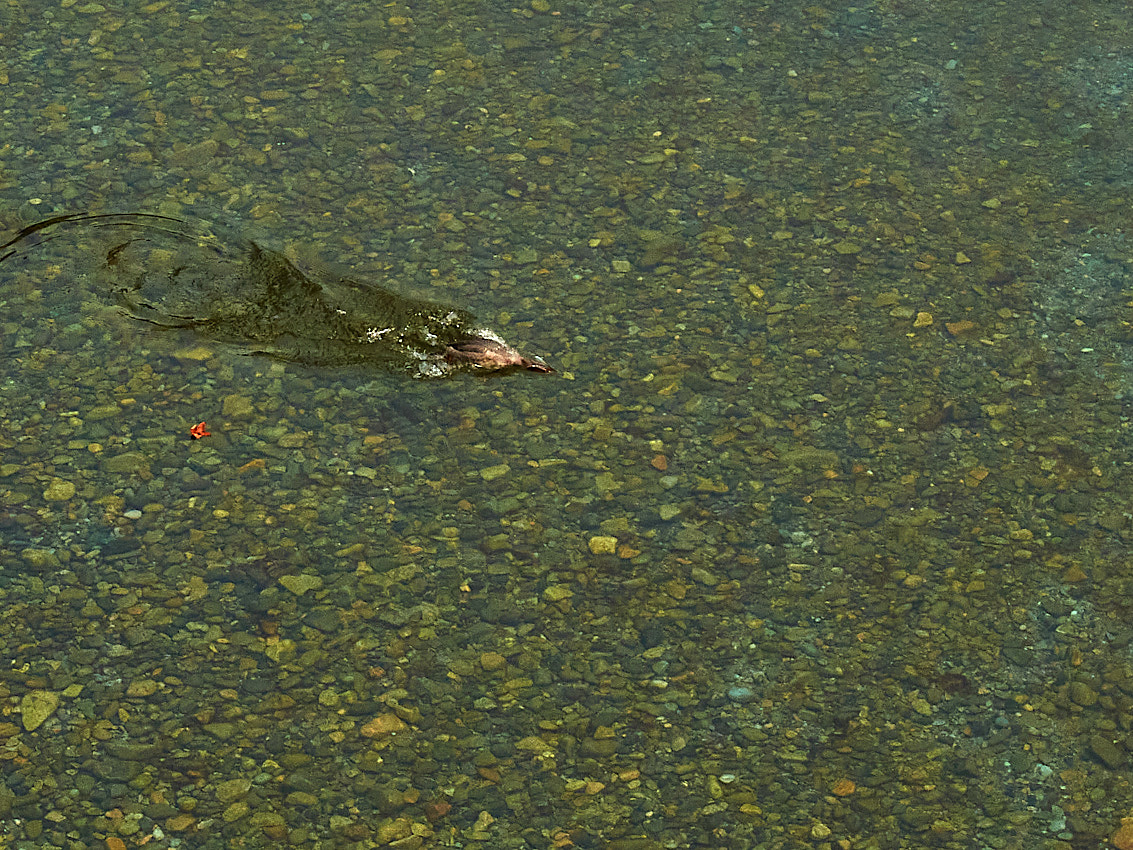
<point>198,431</point>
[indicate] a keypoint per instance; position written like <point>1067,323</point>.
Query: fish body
<point>164,271</point>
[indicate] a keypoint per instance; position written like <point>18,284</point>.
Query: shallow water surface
<point>819,538</point>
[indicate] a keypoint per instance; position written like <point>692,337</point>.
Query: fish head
<point>492,355</point>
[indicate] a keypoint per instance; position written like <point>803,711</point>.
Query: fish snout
<point>536,364</point>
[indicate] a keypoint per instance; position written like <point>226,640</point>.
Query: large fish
<point>165,271</point>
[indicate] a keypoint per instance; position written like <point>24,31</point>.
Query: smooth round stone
<point>741,694</point>
<point>59,490</point>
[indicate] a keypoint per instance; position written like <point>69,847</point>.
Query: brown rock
<point>1123,838</point>
<point>392,830</point>
<point>492,661</point>
<point>36,707</point>
<point>179,823</point>
<point>964,326</point>
<point>382,725</point>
